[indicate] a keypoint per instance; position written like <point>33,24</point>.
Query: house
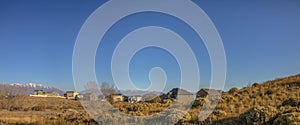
<point>116,98</point>
<point>41,93</point>
<point>38,92</point>
<point>165,96</point>
<point>178,94</point>
<point>71,95</point>
<point>204,92</point>
<point>133,99</point>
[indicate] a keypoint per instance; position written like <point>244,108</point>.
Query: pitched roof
<point>116,94</point>
<point>211,91</point>
<point>178,91</point>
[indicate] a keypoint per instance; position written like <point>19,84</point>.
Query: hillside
<point>274,102</point>
<point>42,111</point>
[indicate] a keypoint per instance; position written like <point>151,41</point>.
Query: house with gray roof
<point>204,92</point>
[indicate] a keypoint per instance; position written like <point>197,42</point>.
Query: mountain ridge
<point>26,89</point>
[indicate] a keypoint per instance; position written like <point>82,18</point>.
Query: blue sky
<point>261,40</point>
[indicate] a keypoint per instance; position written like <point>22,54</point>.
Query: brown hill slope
<point>27,110</point>
<point>272,102</point>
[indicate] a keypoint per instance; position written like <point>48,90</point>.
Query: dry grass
<point>26,103</point>
<point>35,110</point>
<point>276,101</point>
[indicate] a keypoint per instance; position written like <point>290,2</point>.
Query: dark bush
<point>15,108</point>
<point>37,108</point>
<point>155,100</point>
<point>255,85</point>
<point>233,90</point>
<point>290,102</point>
<point>261,94</point>
<point>269,92</point>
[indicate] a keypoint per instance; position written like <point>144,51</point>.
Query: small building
<point>116,98</point>
<point>177,93</point>
<point>133,99</point>
<point>71,95</point>
<point>165,96</point>
<point>41,93</point>
<point>204,92</point>
<point>38,92</point>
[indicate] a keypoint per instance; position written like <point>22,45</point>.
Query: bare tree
<point>4,89</point>
<point>92,87</point>
<point>9,93</point>
<point>107,89</point>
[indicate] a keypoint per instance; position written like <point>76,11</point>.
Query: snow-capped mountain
<point>30,87</point>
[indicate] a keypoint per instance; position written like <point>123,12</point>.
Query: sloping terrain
<point>42,111</point>
<point>275,102</point>
<point>272,102</point>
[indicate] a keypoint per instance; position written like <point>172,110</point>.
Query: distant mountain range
<point>138,92</point>
<point>30,87</point>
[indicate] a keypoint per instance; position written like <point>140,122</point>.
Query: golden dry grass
<point>277,101</point>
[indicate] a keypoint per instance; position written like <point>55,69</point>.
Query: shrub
<point>155,100</point>
<point>288,119</point>
<point>258,116</point>
<point>269,92</point>
<point>289,102</point>
<point>233,90</point>
<point>37,108</point>
<point>255,85</point>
